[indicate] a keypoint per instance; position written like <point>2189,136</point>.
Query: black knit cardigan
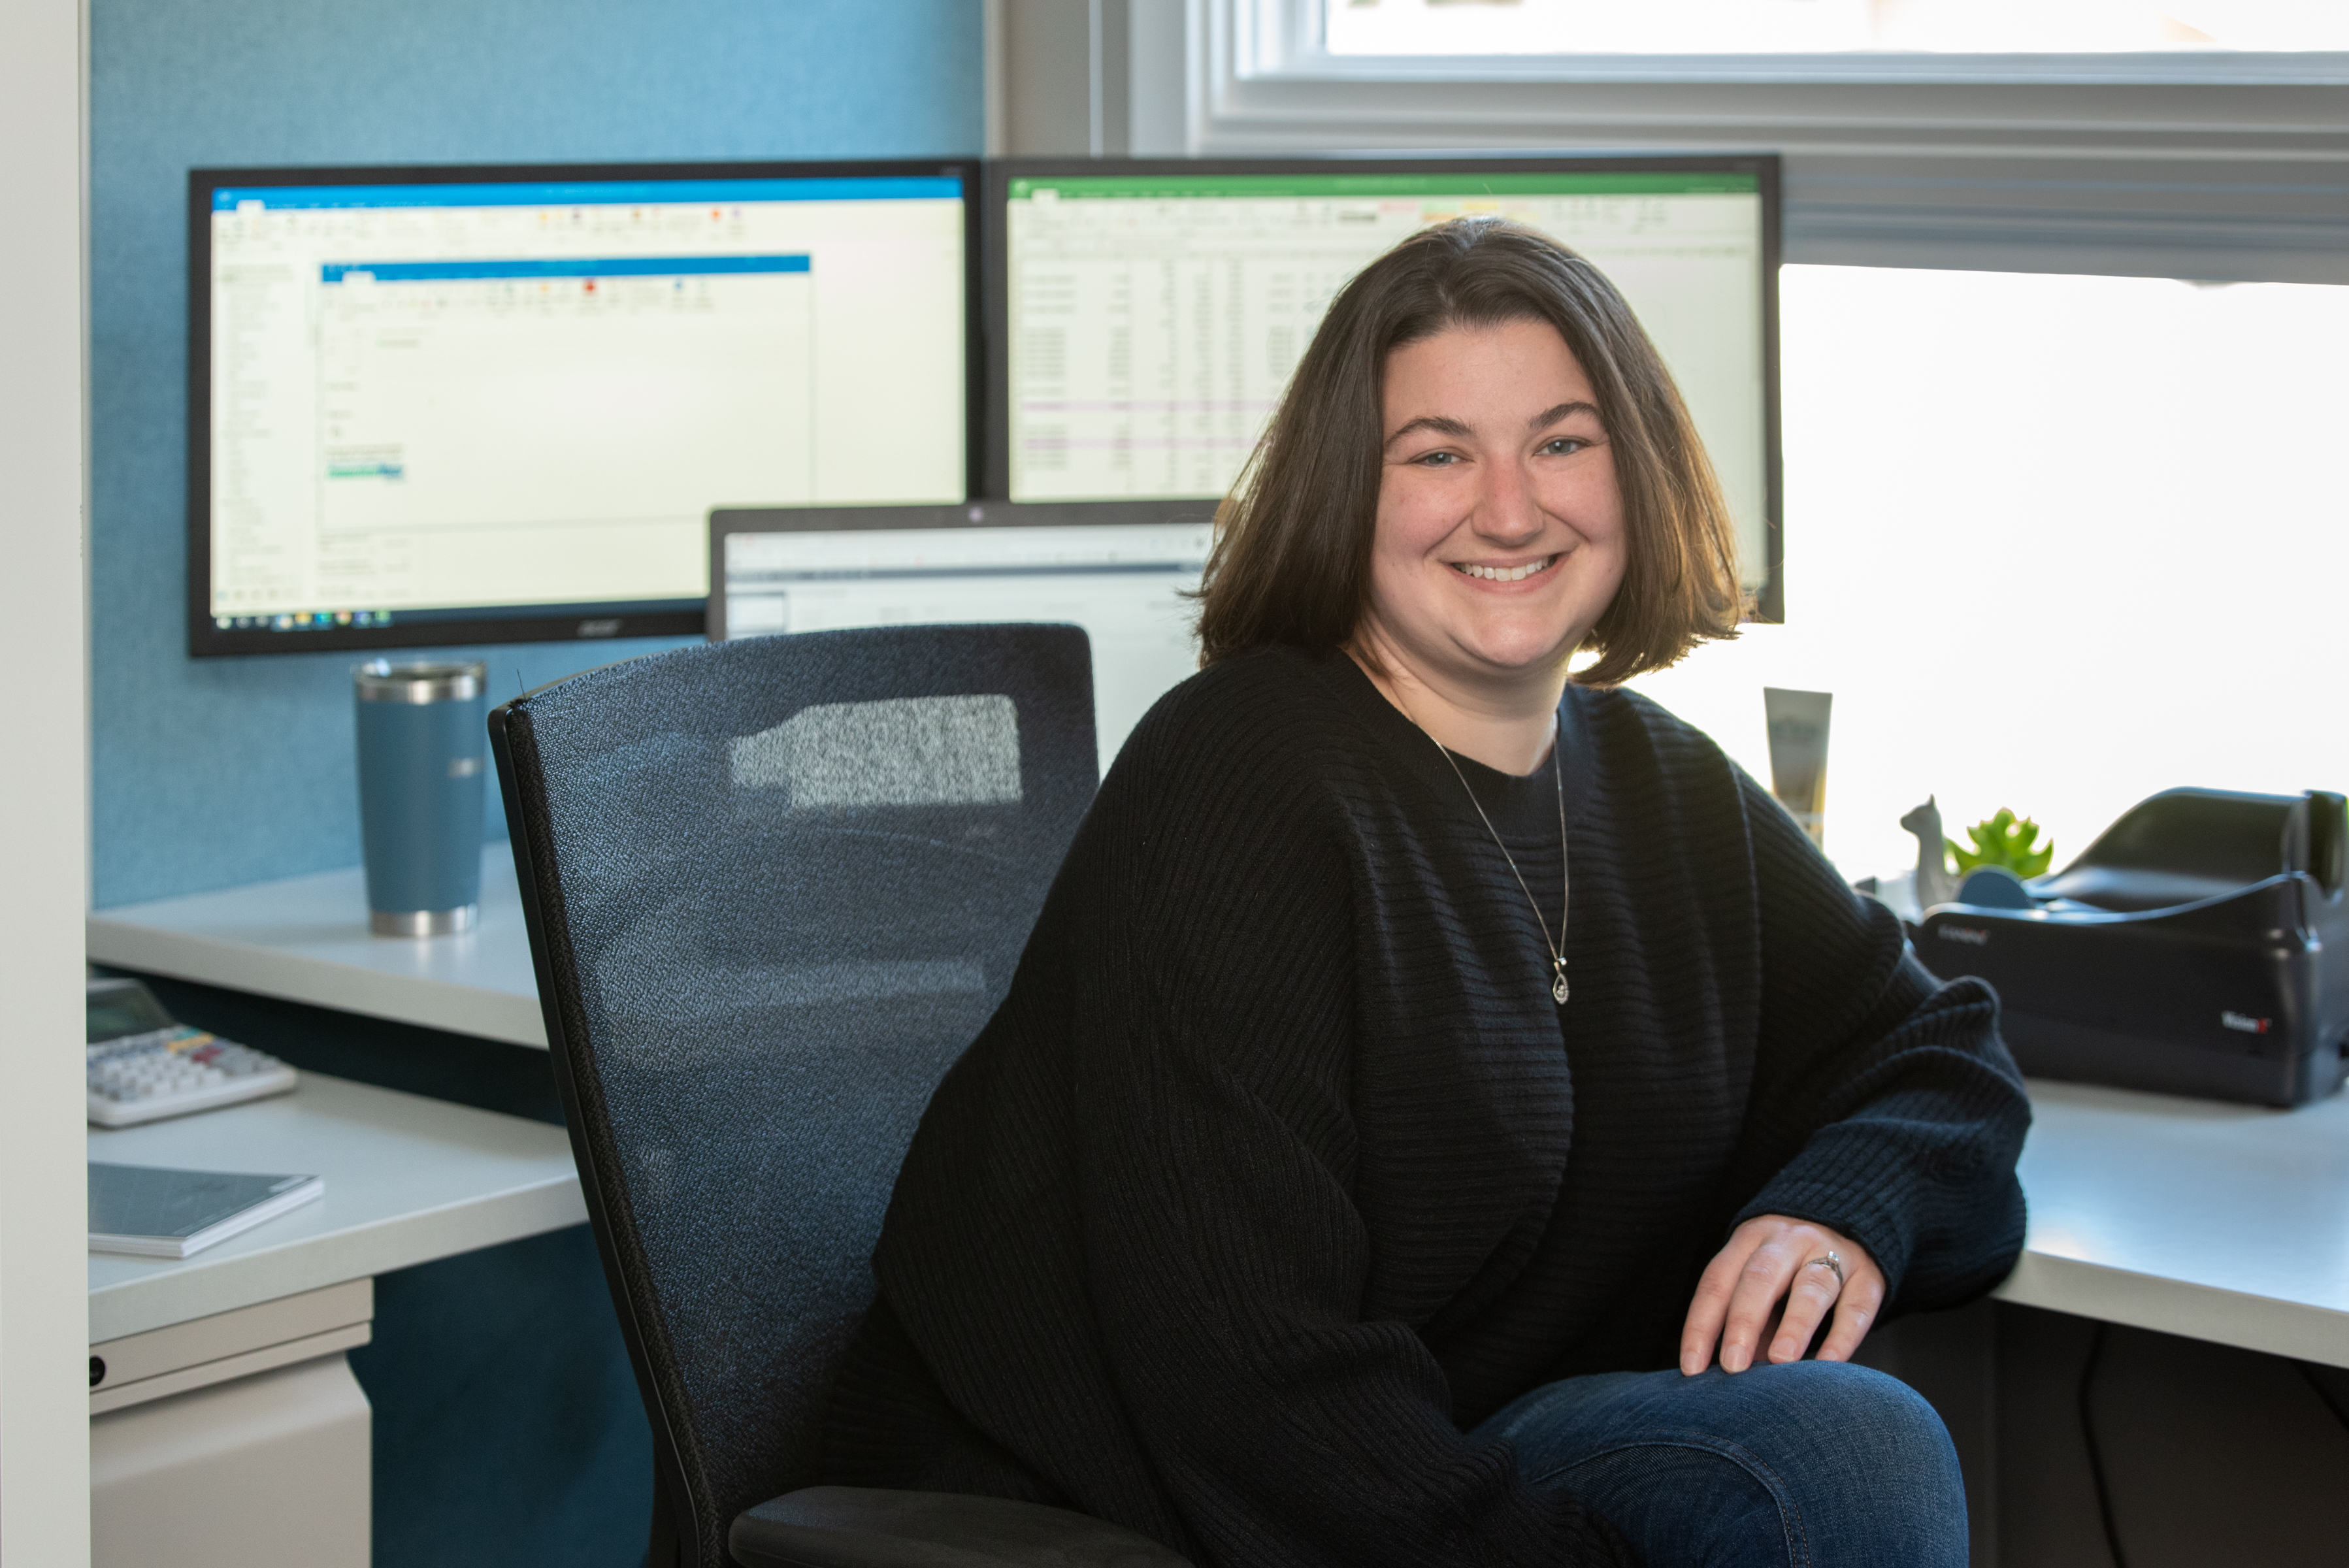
<point>1278,1168</point>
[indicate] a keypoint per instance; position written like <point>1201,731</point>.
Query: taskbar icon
<point>304,620</point>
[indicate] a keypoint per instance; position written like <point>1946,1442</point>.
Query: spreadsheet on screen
<point>1153,319</point>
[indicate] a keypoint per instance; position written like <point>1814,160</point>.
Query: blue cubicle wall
<point>210,774</point>
<point>507,1425</point>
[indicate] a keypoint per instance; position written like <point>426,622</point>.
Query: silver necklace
<point>1565,884</point>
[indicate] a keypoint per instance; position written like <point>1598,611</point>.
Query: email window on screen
<point>1156,320</point>
<point>522,403</point>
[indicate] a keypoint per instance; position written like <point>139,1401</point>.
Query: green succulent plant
<point>2003,840</point>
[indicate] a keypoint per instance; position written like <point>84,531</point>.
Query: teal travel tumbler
<point>423,734</point>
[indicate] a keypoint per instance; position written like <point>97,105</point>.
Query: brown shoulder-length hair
<point>1291,558</point>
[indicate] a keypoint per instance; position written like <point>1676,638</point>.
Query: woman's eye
<point>1437,459</point>
<point>1563,446</point>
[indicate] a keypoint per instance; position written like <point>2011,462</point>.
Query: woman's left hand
<point>1770,1258</point>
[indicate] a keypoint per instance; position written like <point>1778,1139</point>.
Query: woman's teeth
<point>1508,573</point>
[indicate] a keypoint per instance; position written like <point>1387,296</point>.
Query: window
<point>1456,27</point>
<point>2053,544</point>
<point>2062,531</point>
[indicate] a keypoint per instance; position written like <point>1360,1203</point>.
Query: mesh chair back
<point>775,887</point>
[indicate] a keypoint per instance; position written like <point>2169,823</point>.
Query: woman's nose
<point>1506,510</point>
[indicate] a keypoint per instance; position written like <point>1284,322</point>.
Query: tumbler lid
<point>380,680</point>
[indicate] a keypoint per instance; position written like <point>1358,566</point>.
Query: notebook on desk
<point>156,1212</point>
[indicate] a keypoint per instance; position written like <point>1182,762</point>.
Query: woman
<point>1441,1099</point>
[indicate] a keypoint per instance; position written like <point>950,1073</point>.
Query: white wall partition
<point>43,1288</point>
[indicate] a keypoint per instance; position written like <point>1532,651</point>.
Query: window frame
<point>1289,35</point>
<point>2217,166</point>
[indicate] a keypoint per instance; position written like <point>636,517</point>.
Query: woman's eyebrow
<point>1442,424</point>
<point>1552,416</point>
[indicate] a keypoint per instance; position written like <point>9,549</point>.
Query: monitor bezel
<point>975,513</point>
<point>1768,602</point>
<point>556,624</point>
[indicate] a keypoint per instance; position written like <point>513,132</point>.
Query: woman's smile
<point>1501,571</point>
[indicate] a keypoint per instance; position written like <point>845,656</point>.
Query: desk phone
<point>144,1066</point>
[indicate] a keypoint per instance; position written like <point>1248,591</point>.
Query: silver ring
<point>1831,1260</point>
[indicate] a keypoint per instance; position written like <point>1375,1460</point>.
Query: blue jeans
<point>1813,1462</point>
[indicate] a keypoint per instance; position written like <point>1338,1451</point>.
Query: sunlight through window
<point>2053,543</point>
<point>1831,26</point>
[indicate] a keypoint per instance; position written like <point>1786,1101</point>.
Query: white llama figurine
<point>1934,883</point>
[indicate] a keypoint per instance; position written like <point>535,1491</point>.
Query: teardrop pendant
<point>1565,887</point>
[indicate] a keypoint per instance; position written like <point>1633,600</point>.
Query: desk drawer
<point>206,1350</point>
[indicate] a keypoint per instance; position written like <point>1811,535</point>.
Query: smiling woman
<point>1499,538</point>
<point>1294,1208</point>
<point>1293,562</point>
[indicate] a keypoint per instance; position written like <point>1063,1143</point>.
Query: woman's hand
<point>1769,1260</point>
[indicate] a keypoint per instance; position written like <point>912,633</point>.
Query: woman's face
<point>1500,537</point>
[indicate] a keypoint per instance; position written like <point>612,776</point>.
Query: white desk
<point>305,939</point>
<point>2221,1222</point>
<point>226,1429</point>
<point>407,1180</point>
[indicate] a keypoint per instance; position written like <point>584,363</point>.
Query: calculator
<point>144,1066</point>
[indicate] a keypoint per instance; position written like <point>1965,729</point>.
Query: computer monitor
<point>480,405</point>
<point>1150,312</point>
<point>1119,569</point>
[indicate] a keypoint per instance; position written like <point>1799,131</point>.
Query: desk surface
<point>2222,1223</point>
<point>408,1179</point>
<point>305,939</point>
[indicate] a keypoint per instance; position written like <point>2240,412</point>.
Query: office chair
<point>774,887</point>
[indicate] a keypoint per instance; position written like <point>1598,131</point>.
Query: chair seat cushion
<point>865,1527</point>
